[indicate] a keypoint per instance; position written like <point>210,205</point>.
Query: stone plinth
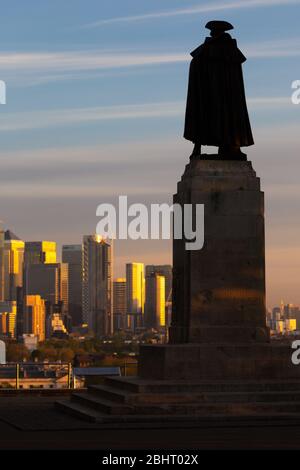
<point>219,291</point>
<point>218,329</point>
<point>195,361</point>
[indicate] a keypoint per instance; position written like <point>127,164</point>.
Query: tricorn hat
<point>219,25</point>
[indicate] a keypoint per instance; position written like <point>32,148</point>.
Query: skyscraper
<point>50,281</point>
<point>72,255</point>
<point>8,317</point>
<point>155,312</point>
<point>42,252</point>
<point>119,303</point>
<point>35,316</point>
<point>55,326</point>
<point>13,265</point>
<point>166,271</point>
<point>37,253</point>
<point>135,293</point>
<point>97,285</point>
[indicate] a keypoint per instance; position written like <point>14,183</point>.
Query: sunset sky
<point>95,107</point>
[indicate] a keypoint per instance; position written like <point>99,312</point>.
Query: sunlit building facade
<point>155,312</point>
<point>8,317</point>
<point>55,324</point>
<point>35,316</point>
<point>135,294</point>
<point>43,252</point>
<point>166,271</point>
<point>13,265</point>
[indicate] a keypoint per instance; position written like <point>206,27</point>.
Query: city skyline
<point>120,273</point>
<point>44,297</point>
<point>92,112</point>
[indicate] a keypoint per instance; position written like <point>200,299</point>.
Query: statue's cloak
<point>216,112</point>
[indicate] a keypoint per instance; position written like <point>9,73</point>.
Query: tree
<point>66,355</point>
<point>17,352</point>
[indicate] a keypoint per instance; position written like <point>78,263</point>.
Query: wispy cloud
<point>82,60</point>
<point>209,7</point>
<point>42,67</point>
<point>73,116</point>
<point>286,47</point>
<point>268,102</point>
<point>35,68</point>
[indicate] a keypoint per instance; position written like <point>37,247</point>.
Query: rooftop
<point>29,420</point>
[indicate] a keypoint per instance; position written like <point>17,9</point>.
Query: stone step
<point>134,384</point>
<point>121,396</point>
<point>159,421</point>
<point>183,421</point>
<point>226,405</point>
<point>107,406</point>
<point>78,411</point>
<point>113,393</point>
<point>261,414</point>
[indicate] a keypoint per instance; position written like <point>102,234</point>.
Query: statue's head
<point>217,28</point>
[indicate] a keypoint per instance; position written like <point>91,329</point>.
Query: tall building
<point>8,318</point>
<point>135,294</point>
<point>1,264</point>
<point>55,326</point>
<point>166,271</point>
<point>35,316</point>
<point>49,281</point>
<point>13,265</point>
<point>72,255</point>
<point>119,303</point>
<point>97,286</point>
<point>155,311</point>
<point>42,252</point>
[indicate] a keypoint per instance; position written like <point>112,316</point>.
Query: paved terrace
<point>28,420</point>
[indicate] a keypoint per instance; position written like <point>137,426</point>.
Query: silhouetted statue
<point>216,112</point>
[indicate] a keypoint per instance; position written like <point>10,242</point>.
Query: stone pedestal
<point>218,326</point>
<point>219,291</point>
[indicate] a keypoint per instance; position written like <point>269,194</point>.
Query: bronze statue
<point>216,112</point>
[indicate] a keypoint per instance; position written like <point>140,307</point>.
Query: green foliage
<point>65,349</point>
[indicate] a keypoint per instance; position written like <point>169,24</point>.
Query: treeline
<point>64,350</point>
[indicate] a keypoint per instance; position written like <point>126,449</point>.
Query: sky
<point>95,109</point>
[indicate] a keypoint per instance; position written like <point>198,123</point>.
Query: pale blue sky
<point>95,107</point>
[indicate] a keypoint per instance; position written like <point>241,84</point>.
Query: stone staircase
<point>134,400</point>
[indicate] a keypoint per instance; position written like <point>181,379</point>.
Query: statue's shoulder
<point>196,52</point>
<point>223,48</point>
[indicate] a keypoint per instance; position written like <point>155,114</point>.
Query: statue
<point>216,111</point>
